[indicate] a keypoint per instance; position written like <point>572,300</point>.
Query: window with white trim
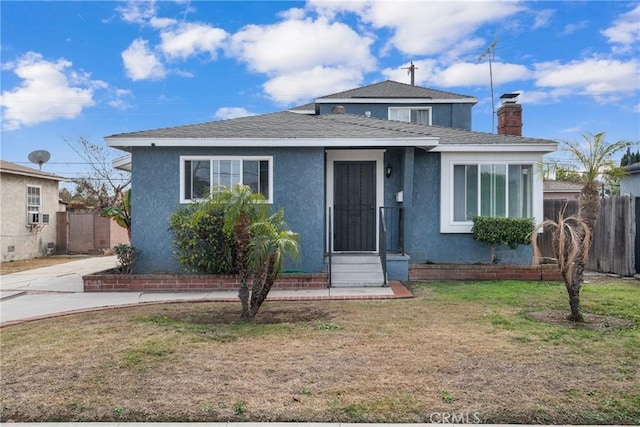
<point>34,204</point>
<point>200,175</point>
<point>416,115</point>
<point>492,189</point>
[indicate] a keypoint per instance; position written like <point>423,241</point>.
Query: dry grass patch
<point>454,349</point>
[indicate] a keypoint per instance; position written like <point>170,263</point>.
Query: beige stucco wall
<point>27,242</point>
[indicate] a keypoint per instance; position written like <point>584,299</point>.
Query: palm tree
<point>241,208</point>
<point>121,214</point>
<point>595,157</point>
<point>272,242</point>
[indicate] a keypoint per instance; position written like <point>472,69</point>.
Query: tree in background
<point>568,174</point>
<point>121,214</point>
<point>103,185</point>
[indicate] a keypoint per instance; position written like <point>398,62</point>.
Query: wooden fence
<point>614,237</point>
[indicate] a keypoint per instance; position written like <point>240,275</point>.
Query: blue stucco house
<point>385,154</point>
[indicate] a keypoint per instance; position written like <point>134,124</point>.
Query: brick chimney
<point>510,115</point>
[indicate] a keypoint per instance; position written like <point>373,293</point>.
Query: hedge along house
<point>387,169</point>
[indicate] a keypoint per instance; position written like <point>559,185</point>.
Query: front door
<point>354,206</point>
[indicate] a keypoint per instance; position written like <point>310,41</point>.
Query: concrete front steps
<point>356,270</point>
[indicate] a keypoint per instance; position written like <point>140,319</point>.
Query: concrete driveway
<point>65,277</point>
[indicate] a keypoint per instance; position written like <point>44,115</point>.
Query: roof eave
<point>517,147</point>
<point>34,175</point>
<point>395,101</point>
<point>420,142</point>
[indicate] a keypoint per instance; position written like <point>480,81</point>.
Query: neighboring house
<point>630,184</point>
<point>562,190</point>
<point>29,204</point>
<point>336,164</point>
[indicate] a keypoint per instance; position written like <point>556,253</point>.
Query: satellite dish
<point>39,157</point>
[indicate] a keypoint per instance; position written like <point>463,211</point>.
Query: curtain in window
<point>498,190</point>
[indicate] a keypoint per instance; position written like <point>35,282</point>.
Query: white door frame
<point>354,155</point>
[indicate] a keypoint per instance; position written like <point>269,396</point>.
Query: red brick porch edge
<point>449,272</point>
<point>104,282</point>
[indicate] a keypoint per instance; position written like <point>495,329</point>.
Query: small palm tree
<point>241,208</point>
<point>121,214</point>
<point>572,236</point>
<point>272,242</point>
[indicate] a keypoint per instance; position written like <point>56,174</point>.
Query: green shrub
<point>199,242</point>
<point>126,255</point>
<point>496,231</point>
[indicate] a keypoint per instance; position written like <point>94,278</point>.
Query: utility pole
<point>412,72</point>
<point>491,54</point>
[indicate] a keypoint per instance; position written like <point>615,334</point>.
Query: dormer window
<point>416,115</point>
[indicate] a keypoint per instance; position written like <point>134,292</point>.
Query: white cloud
<point>626,29</point>
<point>304,58</point>
<point>295,45</point>
<point>574,27</point>
<point>433,73</point>
<point>119,99</point>
<point>191,39</point>
<point>49,90</point>
<point>474,74</point>
<point>543,97</point>
<point>156,22</point>
<point>427,28</point>
<point>226,113</point>
<point>541,18</point>
<point>305,85</point>
<point>141,63</point>
<point>600,78</point>
<point>137,12</point>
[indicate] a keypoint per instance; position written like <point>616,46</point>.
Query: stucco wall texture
<point>20,241</point>
<point>298,181</point>
<point>299,189</point>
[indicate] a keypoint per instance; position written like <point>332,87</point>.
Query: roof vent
<point>338,109</point>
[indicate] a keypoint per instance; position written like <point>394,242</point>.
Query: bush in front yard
<point>126,256</point>
<point>496,231</point>
<point>199,241</point>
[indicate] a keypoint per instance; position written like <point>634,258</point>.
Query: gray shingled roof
<point>287,125</point>
<point>392,89</point>
<point>306,107</point>
<point>12,168</point>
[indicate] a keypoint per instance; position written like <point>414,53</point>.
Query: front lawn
<point>458,351</point>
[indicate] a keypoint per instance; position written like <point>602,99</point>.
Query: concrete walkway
<point>58,290</point>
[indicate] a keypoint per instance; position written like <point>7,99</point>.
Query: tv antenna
<point>39,157</point>
<point>490,53</point>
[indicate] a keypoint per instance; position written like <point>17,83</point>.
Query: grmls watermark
<point>454,418</point>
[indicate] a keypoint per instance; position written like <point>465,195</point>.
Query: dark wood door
<point>355,206</point>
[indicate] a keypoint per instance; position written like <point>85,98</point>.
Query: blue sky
<point>96,68</point>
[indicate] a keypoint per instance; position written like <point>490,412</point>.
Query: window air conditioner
<point>33,217</point>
